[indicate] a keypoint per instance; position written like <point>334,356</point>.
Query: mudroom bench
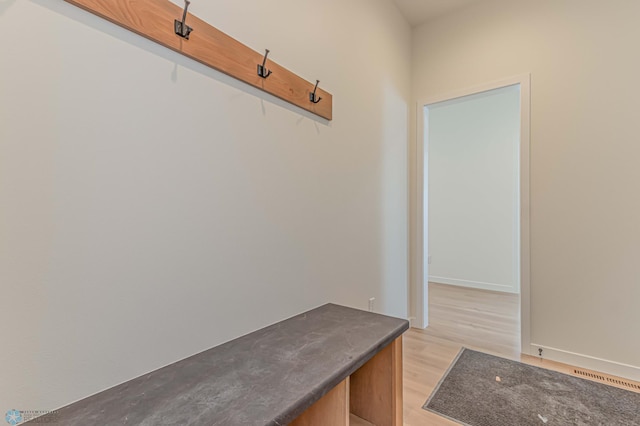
<point>331,366</point>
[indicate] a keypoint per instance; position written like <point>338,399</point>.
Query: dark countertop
<point>268,377</point>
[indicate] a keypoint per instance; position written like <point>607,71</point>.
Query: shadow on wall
<point>90,20</point>
<point>394,199</point>
<point>5,5</point>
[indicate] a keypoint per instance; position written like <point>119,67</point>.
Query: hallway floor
<point>477,319</point>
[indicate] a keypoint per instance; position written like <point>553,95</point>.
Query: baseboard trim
<point>625,371</point>
<point>474,284</point>
<point>412,322</point>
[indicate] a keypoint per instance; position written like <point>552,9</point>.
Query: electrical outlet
<point>540,351</point>
<point>371,301</point>
<point>429,259</point>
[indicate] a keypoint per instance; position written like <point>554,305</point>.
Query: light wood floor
<point>476,319</point>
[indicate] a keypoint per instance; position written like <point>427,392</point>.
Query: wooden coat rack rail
<point>156,20</point>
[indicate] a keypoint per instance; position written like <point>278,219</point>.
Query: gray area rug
<point>471,394</point>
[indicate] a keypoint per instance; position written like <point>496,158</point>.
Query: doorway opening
<point>472,195</point>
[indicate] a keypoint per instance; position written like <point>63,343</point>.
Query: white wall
<point>585,233</point>
<point>151,208</point>
<point>473,177</point>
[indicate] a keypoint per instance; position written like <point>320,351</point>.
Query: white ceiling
<point>420,11</point>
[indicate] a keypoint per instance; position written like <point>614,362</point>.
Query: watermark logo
<point>13,417</point>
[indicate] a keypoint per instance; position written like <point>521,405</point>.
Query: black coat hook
<point>312,96</point>
<point>262,69</point>
<point>181,28</point>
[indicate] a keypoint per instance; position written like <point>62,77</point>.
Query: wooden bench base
<point>372,393</point>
